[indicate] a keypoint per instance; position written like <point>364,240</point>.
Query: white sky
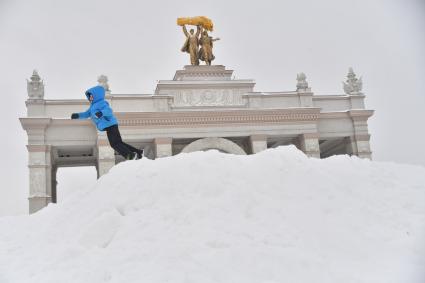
<point>136,43</point>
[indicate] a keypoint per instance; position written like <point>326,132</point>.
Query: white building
<point>201,108</point>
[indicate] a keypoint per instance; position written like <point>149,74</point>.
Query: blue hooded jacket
<point>99,104</point>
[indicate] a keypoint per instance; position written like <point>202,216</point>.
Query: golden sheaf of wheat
<point>194,21</point>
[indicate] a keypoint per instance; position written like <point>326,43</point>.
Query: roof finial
<point>35,86</point>
<point>352,84</point>
<point>103,81</point>
<point>302,84</point>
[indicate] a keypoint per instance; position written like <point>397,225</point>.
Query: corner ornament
<point>352,84</point>
<point>302,84</point>
<point>35,86</point>
<point>103,81</point>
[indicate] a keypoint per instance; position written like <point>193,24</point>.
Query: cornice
<point>71,122</point>
<point>57,102</point>
<point>331,97</point>
<point>34,122</point>
<point>358,114</point>
<point>213,118</point>
<point>334,115</point>
<point>337,96</point>
<point>270,94</point>
<point>67,102</point>
<point>136,97</point>
<point>204,84</point>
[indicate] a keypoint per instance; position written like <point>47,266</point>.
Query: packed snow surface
<point>203,217</point>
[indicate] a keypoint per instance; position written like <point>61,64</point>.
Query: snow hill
<point>276,216</point>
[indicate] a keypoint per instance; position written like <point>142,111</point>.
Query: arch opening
<point>221,144</point>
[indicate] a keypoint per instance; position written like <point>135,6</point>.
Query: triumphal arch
<point>202,107</point>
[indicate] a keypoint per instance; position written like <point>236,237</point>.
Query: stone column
<point>105,155</point>
<point>309,144</point>
<point>359,142</point>
<point>40,176</point>
<point>359,145</point>
<point>163,147</point>
<point>258,143</point>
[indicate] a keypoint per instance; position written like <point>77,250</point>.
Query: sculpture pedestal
<point>205,87</point>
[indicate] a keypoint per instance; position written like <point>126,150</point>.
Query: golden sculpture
<point>196,21</point>
<point>193,40</point>
<point>191,44</point>
<point>206,42</point>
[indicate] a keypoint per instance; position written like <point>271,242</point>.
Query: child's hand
<point>98,114</point>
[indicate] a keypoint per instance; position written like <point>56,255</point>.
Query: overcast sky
<point>136,43</point>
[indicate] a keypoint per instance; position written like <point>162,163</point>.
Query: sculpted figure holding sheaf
<point>191,44</point>
<point>206,42</point>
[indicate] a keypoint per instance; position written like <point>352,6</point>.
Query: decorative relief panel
<point>208,97</point>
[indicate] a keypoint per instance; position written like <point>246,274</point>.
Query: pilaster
<point>105,155</point>
<point>359,145</point>
<point>163,147</point>
<point>359,142</point>
<point>40,176</point>
<point>258,143</point>
<point>309,144</point>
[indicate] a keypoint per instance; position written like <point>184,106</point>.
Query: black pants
<point>116,142</point>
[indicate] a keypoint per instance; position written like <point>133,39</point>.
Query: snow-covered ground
<point>276,216</point>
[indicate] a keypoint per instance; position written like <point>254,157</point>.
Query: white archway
<point>214,143</point>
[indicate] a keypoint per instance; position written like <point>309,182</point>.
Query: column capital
<point>46,166</point>
<point>311,135</point>
<point>39,147</point>
<point>103,142</point>
<point>258,137</point>
<point>360,115</point>
<point>362,137</point>
<point>163,140</point>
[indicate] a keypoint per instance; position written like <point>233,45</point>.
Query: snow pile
<point>276,216</point>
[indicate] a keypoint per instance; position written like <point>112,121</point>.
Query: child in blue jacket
<point>102,116</point>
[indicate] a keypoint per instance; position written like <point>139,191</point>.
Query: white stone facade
<point>201,108</point>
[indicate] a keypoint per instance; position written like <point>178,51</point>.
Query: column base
<point>360,146</point>
<point>315,154</point>
<point>258,143</point>
<point>38,202</point>
<point>309,144</point>
<point>103,166</point>
<point>105,157</point>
